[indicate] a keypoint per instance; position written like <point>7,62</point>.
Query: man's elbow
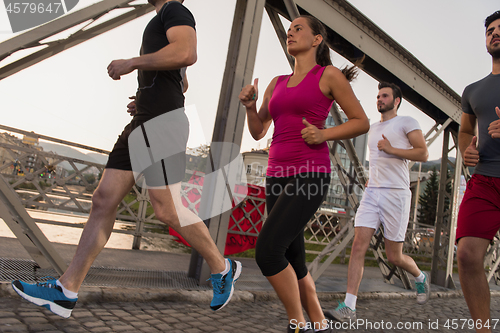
<point>425,156</point>
<point>189,58</point>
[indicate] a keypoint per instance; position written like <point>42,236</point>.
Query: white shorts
<point>388,206</point>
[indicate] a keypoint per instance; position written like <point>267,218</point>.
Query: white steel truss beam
<point>35,37</point>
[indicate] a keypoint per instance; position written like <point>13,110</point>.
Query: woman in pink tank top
<point>298,173</point>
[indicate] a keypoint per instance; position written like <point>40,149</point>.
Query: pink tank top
<point>289,154</point>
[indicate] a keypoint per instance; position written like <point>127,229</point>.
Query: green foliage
<point>198,161</point>
<point>90,178</point>
<point>429,199</point>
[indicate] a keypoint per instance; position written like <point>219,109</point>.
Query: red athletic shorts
<point>479,214</point>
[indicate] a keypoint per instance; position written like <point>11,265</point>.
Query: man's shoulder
<point>480,83</point>
<point>406,118</point>
<point>174,7</point>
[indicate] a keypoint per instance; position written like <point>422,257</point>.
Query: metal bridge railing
<point>41,182</point>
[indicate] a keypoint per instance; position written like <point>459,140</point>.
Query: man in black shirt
<point>168,47</point>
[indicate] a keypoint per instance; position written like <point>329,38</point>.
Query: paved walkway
<point>382,307</point>
<point>381,315</point>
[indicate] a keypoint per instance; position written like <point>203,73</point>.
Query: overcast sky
<point>71,97</point>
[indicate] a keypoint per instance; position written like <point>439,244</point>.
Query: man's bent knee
<point>359,248</point>
<point>103,201</point>
<point>467,256</point>
<point>395,260</point>
<point>471,253</point>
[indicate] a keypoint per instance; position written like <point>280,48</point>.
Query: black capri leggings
<point>291,202</point>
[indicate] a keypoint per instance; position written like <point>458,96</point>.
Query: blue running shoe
<point>224,285</point>
<point>47,294</point>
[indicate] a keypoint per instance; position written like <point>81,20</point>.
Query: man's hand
<point>117,68</point>
<point>131,106</point>
<point>249,94</point>
<point>311,134</point>
<point>494,128</point>
<point>384,145</point>
<point>471,154</point>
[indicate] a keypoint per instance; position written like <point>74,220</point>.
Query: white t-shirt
<point>388,170</point>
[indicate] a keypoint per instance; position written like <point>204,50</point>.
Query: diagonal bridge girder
<point>353,35</point>
<point>350,34</point>
<point>34,38</point>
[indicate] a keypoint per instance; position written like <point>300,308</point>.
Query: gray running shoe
<point>342,313</point>
<point>423,290</point>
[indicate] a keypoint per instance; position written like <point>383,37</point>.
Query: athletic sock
<point>66,292</point>
<point>421,277</point>
<point>350,301</point>
<point>227,267</point>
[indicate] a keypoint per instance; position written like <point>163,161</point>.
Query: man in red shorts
<point>479,215</point>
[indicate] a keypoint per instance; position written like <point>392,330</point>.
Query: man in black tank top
<point>168,47</point>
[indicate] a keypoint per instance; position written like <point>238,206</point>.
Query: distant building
<point>255,164</point>
<point>336,196</point>
<point>19,160</point>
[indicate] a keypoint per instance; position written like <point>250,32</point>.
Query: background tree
<point>429,199</point>
<point>197,160</point>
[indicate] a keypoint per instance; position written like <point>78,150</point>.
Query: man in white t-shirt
<point>392,142</point>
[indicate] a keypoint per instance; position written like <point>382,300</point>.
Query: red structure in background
<point>247,217</point>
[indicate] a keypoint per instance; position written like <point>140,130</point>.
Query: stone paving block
<point>237,325</point>
<point>170,320</point>
<point>101,313</point>
<point>139,324</point>
<point>149,329</point>
<point>144,317</point>
<point>5,314</point>
<point>35,320</point>
<point>80,313</point>
<point>92,324</point>
<point>113,322</point>
<point>123,328</point>
<point>152,311</point>
<point>164,327</point>
<point>226,321</point>
<point>9,321</point>
<point>181,326</point>
<point>109,318</point>
<point>31,314</point>
<point>41,327</point>
<point>66,323</point>
<point>14,328</point>
<point>193,330</point>
<point>119,313</point>
<point>75,330</point>
<point>101,329</point>
<point>196,323</point>
<point>205,319</point>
